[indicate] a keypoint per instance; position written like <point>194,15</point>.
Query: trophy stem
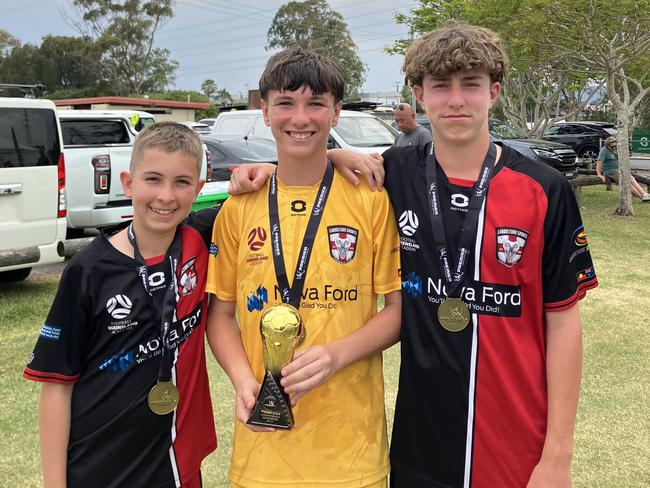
<point>273,407</point>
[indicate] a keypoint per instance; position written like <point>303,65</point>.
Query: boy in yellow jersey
<point>339,248</point>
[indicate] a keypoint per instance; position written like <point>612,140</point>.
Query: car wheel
<point>14,275</point>
<point>589,154</point>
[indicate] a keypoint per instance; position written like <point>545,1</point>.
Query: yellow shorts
<point>379,484</point>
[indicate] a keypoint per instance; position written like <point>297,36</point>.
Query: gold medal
<point>163,398</point>
<point>453,314</point>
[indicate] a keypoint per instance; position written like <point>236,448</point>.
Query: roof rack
<point>30,91</point>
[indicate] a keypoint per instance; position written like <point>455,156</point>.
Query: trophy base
<point>273,407</point>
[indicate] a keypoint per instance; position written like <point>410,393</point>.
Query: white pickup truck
<point>98,146</point>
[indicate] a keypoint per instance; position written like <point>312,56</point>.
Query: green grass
<point>613,430</point>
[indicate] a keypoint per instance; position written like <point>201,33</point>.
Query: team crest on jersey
<point>189,278</point>
<point>510,245</point>
<point>343,242</point>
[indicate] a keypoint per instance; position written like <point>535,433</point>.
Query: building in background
<point>160,109</point>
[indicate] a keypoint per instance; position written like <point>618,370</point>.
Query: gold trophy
<point>282,331</point>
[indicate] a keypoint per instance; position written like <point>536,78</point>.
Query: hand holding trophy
<point>282,331</point>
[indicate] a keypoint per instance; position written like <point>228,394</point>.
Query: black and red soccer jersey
<point>102,336</point>
<point>472,405</point>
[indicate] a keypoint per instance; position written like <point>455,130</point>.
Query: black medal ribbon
<point>291,294</point>
<point>167,310</point>
<point>454,267</point>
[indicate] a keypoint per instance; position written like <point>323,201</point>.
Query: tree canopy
<point>126,30</point>
<point>313,25</point>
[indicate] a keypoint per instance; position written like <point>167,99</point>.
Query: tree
<point>596,38</point>
<point>7,43</point>
<point>209,88</point>
<point>60,63</point>
<point>313,25</point>
<point>126,31</point>
<point>538,90</point>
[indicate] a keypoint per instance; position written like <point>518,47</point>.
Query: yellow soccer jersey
<point>339,439</point>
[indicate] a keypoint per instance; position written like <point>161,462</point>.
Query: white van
<point>356,131</point>
<point>32,187</point>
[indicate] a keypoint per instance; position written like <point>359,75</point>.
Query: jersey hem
<point>355,483</point>
<point>43,377</point>
<point>412,477</point>
<point>382,290</point>
<point>220,294</point>
<point>579,294</point>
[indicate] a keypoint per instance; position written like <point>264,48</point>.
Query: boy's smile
<point>163,187</point>
<point>300,121</point>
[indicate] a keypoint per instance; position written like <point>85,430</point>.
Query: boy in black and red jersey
<point>494,261</point>
<point>125,399</point>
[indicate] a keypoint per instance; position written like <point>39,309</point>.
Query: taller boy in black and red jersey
<point>494,262</point>
<point>125,398</point>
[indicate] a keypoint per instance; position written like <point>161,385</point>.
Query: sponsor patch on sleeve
<point>50,332</point>
<point>214,250</point>
<point>585,274</point>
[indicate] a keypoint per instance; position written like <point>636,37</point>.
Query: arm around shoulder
<point>54,432</point>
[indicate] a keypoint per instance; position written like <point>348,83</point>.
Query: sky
<point>224,40</point>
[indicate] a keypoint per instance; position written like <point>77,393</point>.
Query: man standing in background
<point>411,133</point>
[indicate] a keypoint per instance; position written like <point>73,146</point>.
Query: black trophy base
<point>273,407</point>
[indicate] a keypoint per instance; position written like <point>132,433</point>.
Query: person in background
<point>608,171</point>
<point>411,133</point>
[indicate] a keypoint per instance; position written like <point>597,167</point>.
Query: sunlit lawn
<point>613,430</point>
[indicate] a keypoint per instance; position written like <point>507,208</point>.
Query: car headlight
<point>543,153</point>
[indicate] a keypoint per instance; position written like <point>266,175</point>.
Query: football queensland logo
<point>408,222</point>
<point>580,237</point>
<point>256,238</point>
<point>510,245</point>
<point>189,278</point>
<point>119,306</point>
<point>343,242</point>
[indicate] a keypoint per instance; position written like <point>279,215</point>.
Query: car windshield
<point>501,130</point>
<point>610,130</point>
<point>262,150</point>
<point>364,132</point>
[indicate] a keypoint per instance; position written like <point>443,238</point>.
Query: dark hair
<point>292,69</point>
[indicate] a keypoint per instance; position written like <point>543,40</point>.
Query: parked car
<point>98,146</point>
<point>198,127</point>
<point>560,156</point>
<point>356,131</point>
<point>32,187</point>
<point>226,153</point>
<point>585,138</point>
<point>209,122</point>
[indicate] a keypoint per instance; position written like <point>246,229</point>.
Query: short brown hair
<point>453,48</point>
<point>169,137</point>
<point>292,69</point>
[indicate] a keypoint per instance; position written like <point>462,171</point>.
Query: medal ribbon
<point>167,312</point>
<point>292,294</point>
<point>454,272</point>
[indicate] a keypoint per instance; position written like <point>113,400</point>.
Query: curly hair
<point>453,48</point>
